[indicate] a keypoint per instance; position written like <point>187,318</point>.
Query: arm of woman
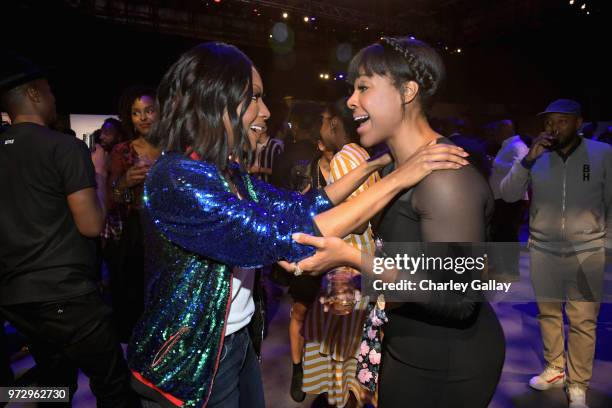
<point>348,216</point>
<point>453,209</point>
<point>190,205</point>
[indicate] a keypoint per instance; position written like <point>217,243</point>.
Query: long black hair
<point>402,59</point>
<point>205,83</point>
<point>126,101</point>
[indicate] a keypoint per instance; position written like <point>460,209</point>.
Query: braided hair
<point>402,59</point>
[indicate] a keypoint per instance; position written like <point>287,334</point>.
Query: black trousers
<point>73,334</point>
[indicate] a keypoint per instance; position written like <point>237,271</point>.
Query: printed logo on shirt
<point>586,172</point>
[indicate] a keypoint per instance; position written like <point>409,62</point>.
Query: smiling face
<point>377,108</point>
<point>255,116</point>
<point>143,115</point>
<point>254,119</point>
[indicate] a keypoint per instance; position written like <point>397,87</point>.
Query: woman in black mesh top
<point>442,349</point>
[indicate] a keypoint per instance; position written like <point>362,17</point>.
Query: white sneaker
<point>576,396</point>
<point>551,377</point>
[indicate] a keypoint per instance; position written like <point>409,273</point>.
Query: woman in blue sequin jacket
<point>209,224</point>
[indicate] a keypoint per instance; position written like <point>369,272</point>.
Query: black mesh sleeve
<point>453,206</point>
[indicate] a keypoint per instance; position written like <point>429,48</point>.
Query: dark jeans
<point>237,383</point>
<point>71,334</point>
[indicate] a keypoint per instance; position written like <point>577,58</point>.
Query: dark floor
<point>523,359</point>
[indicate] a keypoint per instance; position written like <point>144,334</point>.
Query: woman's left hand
<point>331,253</point>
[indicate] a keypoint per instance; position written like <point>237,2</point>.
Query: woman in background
<point>130,162</point>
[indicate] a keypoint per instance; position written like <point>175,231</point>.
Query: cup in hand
<point>340,294</point>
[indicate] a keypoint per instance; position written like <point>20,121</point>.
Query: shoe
<point>297,378</point>
<point>576,396</point>
<point>551,377</point>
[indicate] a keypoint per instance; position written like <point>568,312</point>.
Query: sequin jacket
<point>197,230</point>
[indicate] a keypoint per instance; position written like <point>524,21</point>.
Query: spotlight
<point>321,76</point>
<point>306,19</point>
<point>312,19</point>
<point>571,2</point>
<point>583,6</point>
<point>326,76</point>
<point>270,35</point>
<point>341,76</point>
<point>285,15</point>
<point>459,50</point>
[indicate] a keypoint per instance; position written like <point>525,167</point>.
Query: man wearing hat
<point>49,212</point>
<point>570,228</point>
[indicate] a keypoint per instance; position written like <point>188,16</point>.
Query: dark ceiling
<point>518,53</point>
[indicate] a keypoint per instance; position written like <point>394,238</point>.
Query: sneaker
<point>297,377</point>
<point>551,377</point>
<point>576,396</point>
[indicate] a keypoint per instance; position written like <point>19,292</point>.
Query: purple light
<point>340,76</point>
<point>312,19</point>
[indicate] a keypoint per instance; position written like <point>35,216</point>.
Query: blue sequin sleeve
<point>190,205</point>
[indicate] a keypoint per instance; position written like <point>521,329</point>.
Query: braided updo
<point>402,59</point>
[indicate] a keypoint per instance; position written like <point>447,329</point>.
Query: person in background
<point>267,152</point>
<point>130,163</point>
<point>47,281</point>
<point>290,170</point>
<point>332,341</point>
<point>507,217</point>
<point>570,224</point>
<point>456,129</point>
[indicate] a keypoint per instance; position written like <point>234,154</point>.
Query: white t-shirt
<point>242,307</point>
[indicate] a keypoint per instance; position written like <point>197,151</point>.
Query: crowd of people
<point>162,234</point>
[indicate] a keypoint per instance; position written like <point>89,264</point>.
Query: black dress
<point>446,351</point>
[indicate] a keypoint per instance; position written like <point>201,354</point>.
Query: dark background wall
<point>522,69</point>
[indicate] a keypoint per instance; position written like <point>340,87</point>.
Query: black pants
<point>73,334</point>
<point>125,260</point>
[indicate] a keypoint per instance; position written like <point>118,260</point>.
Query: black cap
<point>16,70</point>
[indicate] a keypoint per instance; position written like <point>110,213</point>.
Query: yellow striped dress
<point>332,342</point>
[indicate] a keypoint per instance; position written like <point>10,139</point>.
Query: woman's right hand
<point>136,174</point>
<point>427,159</point>
<point>331,253</point>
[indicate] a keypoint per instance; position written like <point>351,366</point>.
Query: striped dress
<point>332,342</point>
